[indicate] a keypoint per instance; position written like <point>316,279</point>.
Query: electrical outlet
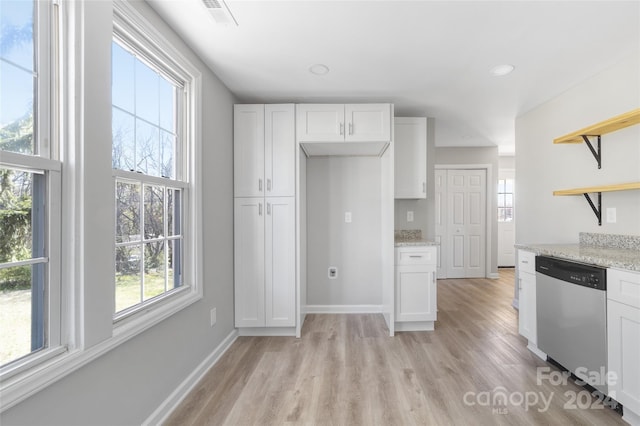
<point>347,217</point>
<point>332,273</point>
<point>409,216</point>
<point>213,317</point>
<point>611,215</point>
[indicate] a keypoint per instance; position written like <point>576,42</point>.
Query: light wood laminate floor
<point>345,370</point>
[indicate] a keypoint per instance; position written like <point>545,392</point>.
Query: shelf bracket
<point>596,210</point>
<point>597,154</point>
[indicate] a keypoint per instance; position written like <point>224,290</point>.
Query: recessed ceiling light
<point>502,70</point>
<point>319,69</point>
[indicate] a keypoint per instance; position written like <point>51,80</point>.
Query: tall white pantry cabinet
<point>264,217</point>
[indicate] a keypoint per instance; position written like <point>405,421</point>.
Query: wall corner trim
<point>162,413</point>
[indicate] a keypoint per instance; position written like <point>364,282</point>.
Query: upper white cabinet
<point>410,144</point>
<point>338,122</point>
<point>264,150</point>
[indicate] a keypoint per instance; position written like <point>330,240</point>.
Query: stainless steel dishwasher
<point>571,306</point>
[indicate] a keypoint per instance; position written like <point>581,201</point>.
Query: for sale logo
<point>500,399</point>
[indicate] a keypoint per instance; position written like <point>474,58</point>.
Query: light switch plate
<point>611,215</point>
<point>409,216</point>
<point>347,217</point>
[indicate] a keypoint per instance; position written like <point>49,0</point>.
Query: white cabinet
<point>527,315</point>
<point>264,150</point>
<point>410,145</point>
<point>527,307</point>
<point>249,251</point>
<point>264,267</point>
<point>623,339</point>
<point>279,258</point>
<point>416,288</point>
<point>338,122</point>
<point>264,216</point>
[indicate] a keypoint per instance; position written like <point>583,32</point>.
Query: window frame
<point>502,184</point>
<point>68,69</point>
<point>45,161</point>
<point>137,34</point>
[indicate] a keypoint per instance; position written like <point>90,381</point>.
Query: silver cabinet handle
<point>260,185</point>
<point>269,185</point>
<point>415,256</point>
<point>259,209</point>
<point>268,208</point>
<point>350,128</point>
<point>342,128</point>
<point>525,261</point>
<point>424,187</point>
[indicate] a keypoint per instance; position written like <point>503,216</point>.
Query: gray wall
<point>507,162</point>
<point>336,185</point>
<point>124,386</point>
<point>542,167</point>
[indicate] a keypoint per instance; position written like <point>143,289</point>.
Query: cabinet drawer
<point>527,261</point>
<point>416,256</point>
<point>623,287</point>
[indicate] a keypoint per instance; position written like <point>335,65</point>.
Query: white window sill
<point>23,385</point>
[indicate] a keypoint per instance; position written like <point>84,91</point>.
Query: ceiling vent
<point>220,12</point>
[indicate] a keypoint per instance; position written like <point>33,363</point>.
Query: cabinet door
<point>623,340</point>
<point>320,122</point>
<point>280,265</point>
<point>527,306</point>
<point>248,150</point>
<point>416,293</point>
<point>367,122</point>
<point>410,151</point>
<point>279,146</point>
<point>249,262</point>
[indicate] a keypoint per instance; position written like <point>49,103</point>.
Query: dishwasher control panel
<point>574,272</point>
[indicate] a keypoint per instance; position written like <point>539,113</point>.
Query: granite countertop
<point>608,253</point>
<point>411,237</point>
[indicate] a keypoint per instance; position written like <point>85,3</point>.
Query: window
<point>29,192</point>
<point>505,200</point>
<point>152,160</point>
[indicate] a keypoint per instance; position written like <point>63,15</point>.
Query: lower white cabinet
<point>264,262</point>
<point>623,339</point>
<point>416,304</point>
<point>527,306</point>
<point>527,314</point>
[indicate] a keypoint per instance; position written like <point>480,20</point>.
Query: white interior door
<point>441,220</point>
<point>466,223</point>
<point>506,219</point>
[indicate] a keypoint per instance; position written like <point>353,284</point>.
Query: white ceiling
<point>429,58</point>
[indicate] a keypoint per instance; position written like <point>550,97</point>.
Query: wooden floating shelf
<point>604,188</point>
<point>611,125</point>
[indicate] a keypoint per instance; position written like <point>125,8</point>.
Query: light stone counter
<point>411,238</point>
<point>621,256</point>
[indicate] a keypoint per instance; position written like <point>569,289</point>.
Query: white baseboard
<point>631,417</point>
<point>343,309</point>
<point>533,348</point>
<point>493,276</point>
<point>161,413</point>
<point>267,331</point>
<point>414,326</point>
